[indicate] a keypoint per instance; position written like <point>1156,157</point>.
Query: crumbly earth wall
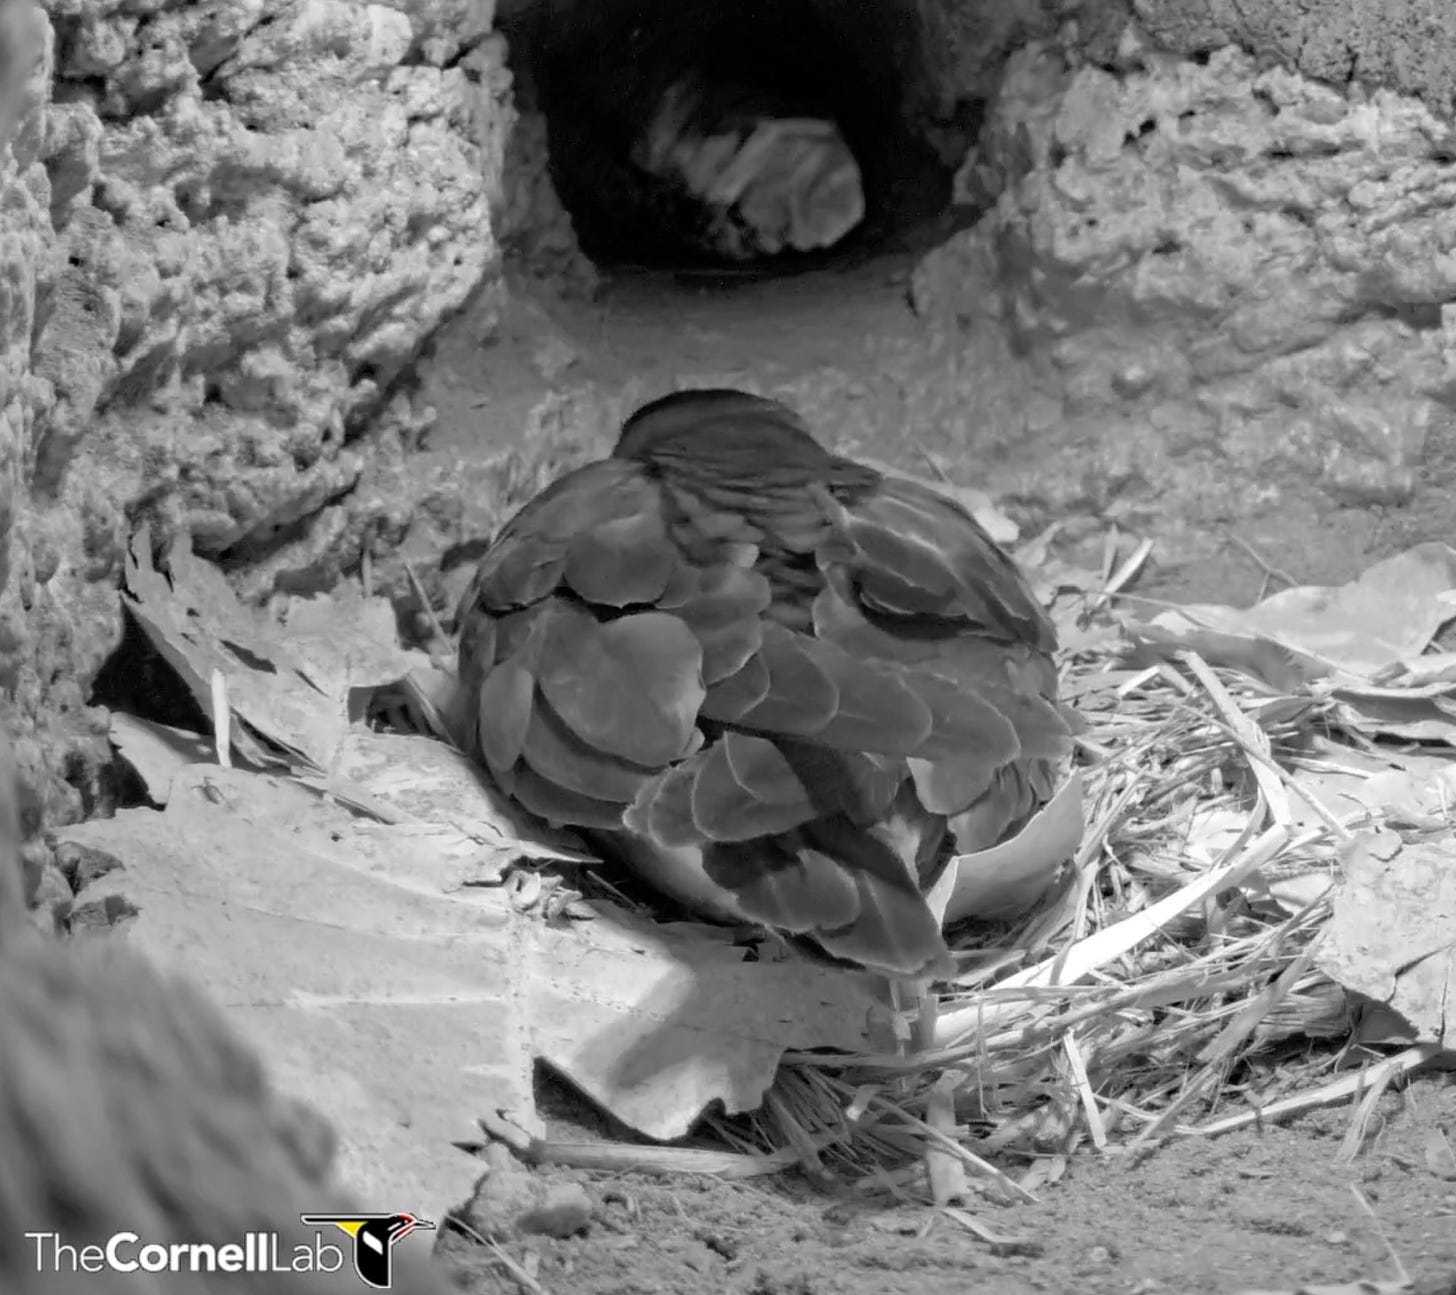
<point>1226,282</point>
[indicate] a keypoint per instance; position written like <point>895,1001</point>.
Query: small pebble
<point>563,1211</point>
<point>505,1193</point>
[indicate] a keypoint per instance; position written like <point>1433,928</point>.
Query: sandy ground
<point>1259,1210</point>
<point>1269,1210</point>
<point>1250,1211</point>
<point>846,347</point>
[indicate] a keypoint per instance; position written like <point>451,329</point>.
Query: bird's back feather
<point>725,639</point>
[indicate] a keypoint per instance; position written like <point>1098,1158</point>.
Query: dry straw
<point>1164,990</point>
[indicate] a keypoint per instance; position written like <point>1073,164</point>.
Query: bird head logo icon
<point>374,1237</point>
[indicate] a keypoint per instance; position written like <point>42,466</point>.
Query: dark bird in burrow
<point>778,684</point>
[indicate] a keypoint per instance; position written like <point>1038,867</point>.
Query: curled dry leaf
<point>1391,933</point>
<point>1386,617</point>
<point>1439,1155</point>
<point>295,696</point>
<point>156,752</point>
<point>402,1010</point>
<point>1364,643</point>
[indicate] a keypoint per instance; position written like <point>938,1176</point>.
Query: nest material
<point>1166,989</point>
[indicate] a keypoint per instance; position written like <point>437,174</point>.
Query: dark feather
<point>730,699</point>
<point>631,687</point>
<point>782,684</point>
<point>621,562</point>
<point>556,754</point>
<point>723,607</point>
<point>504,714</point>
<point>560,807</point>
<point>746,789</point>
<point>801,697</point>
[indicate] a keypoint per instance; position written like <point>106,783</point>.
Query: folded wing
<point>779,671</point>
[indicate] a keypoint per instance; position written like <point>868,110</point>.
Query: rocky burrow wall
<point>1216,277</point>
<point>225,230</point>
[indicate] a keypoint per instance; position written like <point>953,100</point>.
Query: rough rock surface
<point>1406,45</point>
<point>224,233</point>
<point>1251,273</point>
<point>535,230</point>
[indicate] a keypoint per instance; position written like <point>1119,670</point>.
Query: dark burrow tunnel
<point>773,134</point>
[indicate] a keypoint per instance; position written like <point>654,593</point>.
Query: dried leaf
<point>368,997</point>
<point>156,752</point>
<point>442,789</point>
<point>1391,933</point>
<point>1343,1288</point>
<point>1429,671</point>
<point>655,1025</point>
<point>1405,787</point>
<point>344,640</point>
<point>192,617</point>
<point>1391,613</point>
<point>1440,1157</point>
<point>1415,719</point>
<point>1255,655</point>
<point>402,1011</point>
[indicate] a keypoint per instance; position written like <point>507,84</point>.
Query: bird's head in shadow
<point>720,428</point>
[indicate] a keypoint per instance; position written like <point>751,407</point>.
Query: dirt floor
<point>1266,1210</point>
<point>1269,1211</point>
<point>846,346</point>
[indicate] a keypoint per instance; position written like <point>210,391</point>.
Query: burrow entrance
<point>774,134</point>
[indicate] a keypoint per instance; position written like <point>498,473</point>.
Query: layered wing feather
<point>910,577</point>
<point>726,645</point>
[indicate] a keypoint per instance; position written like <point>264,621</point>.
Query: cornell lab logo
<point>375,1236</point>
